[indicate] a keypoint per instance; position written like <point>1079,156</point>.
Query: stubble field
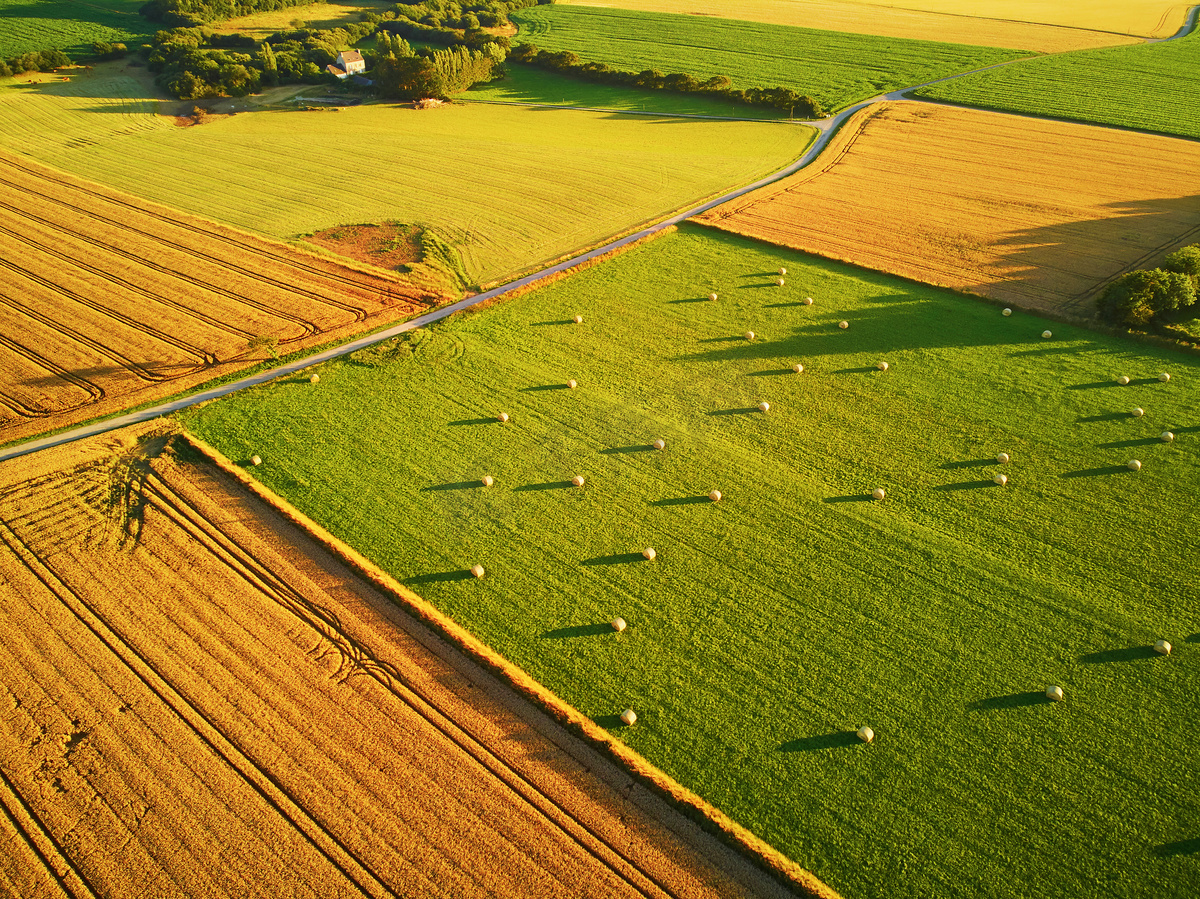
<point>107,302</point>
<point>199,700</point>
<point>1033,212</point>
<point>29,25</point>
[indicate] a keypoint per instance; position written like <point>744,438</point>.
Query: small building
<point>349,62</point>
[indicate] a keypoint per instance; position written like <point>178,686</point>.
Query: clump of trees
<point>567,63</point>
<point>103,50</point>
<point>401,74</point>
<point>1145,296</point>
<point>37,61</point>
<point>190,13</point>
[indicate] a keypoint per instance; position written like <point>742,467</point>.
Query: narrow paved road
<point>826,128</point>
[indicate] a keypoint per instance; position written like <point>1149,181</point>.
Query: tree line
<point>190,13</point>
<point>1154,296</point>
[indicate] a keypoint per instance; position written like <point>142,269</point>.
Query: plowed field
<point>1037,213</point>
<point>107,301</point>
<point>198,700</point>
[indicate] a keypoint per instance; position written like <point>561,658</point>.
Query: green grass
<point>27,25</point>
<point>509,187</point>
<point>1155,87</point>
<point>835,68</point>
<point>777,621</point>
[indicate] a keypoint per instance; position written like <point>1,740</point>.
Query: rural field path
<point>825,128</point>
<point>280,726</point>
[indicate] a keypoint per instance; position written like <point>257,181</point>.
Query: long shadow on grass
<point>1179,847</point>
<point>1107,416</point>
<point>614,559</point>
<point>1097,472</point>
<point>856,371</point>
<point>736,338</point>
<point>539,387</point>
<point>783,305</point>
<point>1194,638</point>
<point>578,630</point>
<point>608,722</point>
<point>852,498</point>
<point>681,501</point>
<point>1011,701</point>
<point>437,577</point>
<point>454,485</point>
<point>1093,385</point>
<point>1126,654</point>
<point>822,741</point>
<point>966,485</point>
<point>639,448</point>
<point>1116,444</point>
<point>769,373</point>
<point>746,410</point>
<point>561,321</point>
<point>969,463</point>
<point>474,421</point>
<point>692,300</point>
<point>549,485</point>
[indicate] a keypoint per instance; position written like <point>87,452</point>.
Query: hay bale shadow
<point>849,498</point>
<point>609,722</point>
<point>637,448</point>
<point>966,485</point>
<point>548,485</point>
<point>539,387</point>
<point>1097,472</point>
<point>474,421</point>
<point>970,463</point>
<point>1009,701</point>
<point>747,410</point>
<point>856,371</point>
<point>435,577</point>
<point>1107,416</point>
<point>1094,385</point>
<point>1118,444</point>
<point>821,741</point>
<point>769,373</point>
<point>578,630</point>
<point>682,501</point>
<point>1179,847</point>
<point>546,324</point>
<point>614,559</point>
<point>454,485</point>
<point>1126,654</point>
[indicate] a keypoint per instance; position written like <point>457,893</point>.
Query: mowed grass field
<point>509,187</point>
<point>1028,211</point>
<point>835,68</point>
<point>775,622</point>
<point>27,25</point>
<point>1153,87</point>
<point>962,25</point>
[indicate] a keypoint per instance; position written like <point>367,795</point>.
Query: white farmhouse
<point>349,62</point>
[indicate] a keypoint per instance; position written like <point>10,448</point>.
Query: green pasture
<point>835,68</point>
<point>508,186</point>
<point>28,25</point>
<point>1154,87</point>
<point>777,621</point>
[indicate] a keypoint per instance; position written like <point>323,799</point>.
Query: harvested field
<point>859,18</point>
<point>107,301</point>
<point>1037,213</point>
<point>198,699</point>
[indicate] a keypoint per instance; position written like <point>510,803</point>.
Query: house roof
<point>335,70</point>
<point>350,56</point>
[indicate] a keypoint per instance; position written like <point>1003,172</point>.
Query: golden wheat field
<point>1034,212</point>
<point>107,301</point>
<point>198,699</point>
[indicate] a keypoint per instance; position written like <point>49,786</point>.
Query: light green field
<point>320,15</point>
<point>835,68</point>
<point>774,623</point>
<point>510,187</point>
<point>28,25</point>
<point>1155,87</point>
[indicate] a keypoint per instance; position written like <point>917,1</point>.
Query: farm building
<point>349,62</point>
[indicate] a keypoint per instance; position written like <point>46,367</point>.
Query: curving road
<point>826,128</point>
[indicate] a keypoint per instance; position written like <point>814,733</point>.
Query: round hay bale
<point>843,325</point>
<point>578,319</point>
<point>477,571</point>
<point>618,624</point>
<point>1006,313</point>
<point>1134,465</point>
<point>1000,480</point>
<point>782,270</point>
<point>1047,334</point>
<point>255,461</point>
<point>1055,693</point>
<point>882,366</point>
<point>749,335</point>
<point>866,734</point>
<point>807,301</point>
<point>797,368</point>
<point>629,717</point>
<point>1164,377</point>
<point>764,406</point>
<point>488,480</point>
<point>314,379</point>
<point>571,384</point>
<point>1123,380</point>
<point>779,283</point>
<point>659,444</point>
<point>714,495</point>
<point>1003,458</point>
<point>502,417</point>
<point>1138,412</point>
<point>577,480</point>
<point>1166,436</point>
<point>879,494</point>
<point>649,554</point>
<point>713,297</point>
<point>1162,647</point>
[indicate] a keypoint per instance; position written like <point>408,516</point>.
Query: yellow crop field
<point>1035,212</point>
<point>968,24</point>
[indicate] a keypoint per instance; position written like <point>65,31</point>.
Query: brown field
<point>967,25</point>
<point>198,699</point>
<point>1038,213</point>
<point>107,301</point>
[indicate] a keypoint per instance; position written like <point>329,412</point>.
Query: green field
<point>1155,87</point>
<point>509,186</point>
<point>775,622</point>
<point>835,68</point>
<point>27,25</point>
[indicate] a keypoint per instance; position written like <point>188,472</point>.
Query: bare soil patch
<point>1034,212</point>
<point>198,699</point>
<point>107,301</point>
<point>391,245</point>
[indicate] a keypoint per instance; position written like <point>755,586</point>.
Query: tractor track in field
<point>94,391</point>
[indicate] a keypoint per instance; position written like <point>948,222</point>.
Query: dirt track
<point>1030,211</point>
<point>196,699</point>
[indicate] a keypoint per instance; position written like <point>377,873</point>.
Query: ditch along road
<point>825,128</point>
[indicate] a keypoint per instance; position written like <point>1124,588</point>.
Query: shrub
<point>1185,261</point>
<point>1139,297</point>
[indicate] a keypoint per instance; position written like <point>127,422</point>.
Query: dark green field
<point>27,25</point>
<point>776,621</point>
<point>835,68</point>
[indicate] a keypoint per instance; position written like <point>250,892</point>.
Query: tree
<point>270,67</point>
<point>1185,261</point>
<point>1138,297</point>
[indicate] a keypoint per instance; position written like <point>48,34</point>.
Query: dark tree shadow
<point>1107,416</point>
<point>821,741</point>
<point>637,448</point>
<point>474,421</point>
<point>578,630</point>
<point>439,576</point>
<point>1127,654</point>
<point>966,485</point>
<point>746,410</point>
<point>1011,701</point>
<point>970,463</point>
<point>454,485</point>
<point>1097,472</point>
<point>681,501</point>
<point>549,485</point>
<point>1179,847</point>
<point>615,559</point>
<point>851,498</point>
<point>540,387</point>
